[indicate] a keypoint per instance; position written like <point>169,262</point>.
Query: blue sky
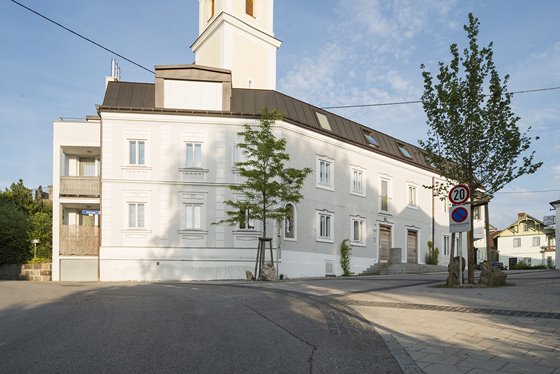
<point>334,52</point>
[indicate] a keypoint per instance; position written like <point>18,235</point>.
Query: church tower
<point>237,35</point>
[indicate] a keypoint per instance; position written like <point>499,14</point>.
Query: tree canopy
<point>473,135</point>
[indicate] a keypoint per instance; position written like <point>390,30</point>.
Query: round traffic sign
<point>459,194</point>
<point>459,214</point>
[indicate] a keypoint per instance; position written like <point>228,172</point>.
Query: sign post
<point>460,218</point>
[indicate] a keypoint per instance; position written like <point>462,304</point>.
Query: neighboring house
<point>524,240</point>
<point>138,186</point>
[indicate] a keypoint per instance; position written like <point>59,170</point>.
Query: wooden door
<point>412,247</point>
<point>384,243</point>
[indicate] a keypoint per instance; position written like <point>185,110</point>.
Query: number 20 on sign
<point>459,194</point>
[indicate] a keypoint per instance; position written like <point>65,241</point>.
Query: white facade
<point>165,155</point>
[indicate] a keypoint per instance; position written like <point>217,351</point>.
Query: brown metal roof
<point>127,96</point>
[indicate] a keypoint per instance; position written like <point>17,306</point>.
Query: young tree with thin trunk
<point>473,136</point>
<point>267,183</point>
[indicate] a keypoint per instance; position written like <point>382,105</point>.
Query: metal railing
<point>79,186</point>
<point>79,240</point>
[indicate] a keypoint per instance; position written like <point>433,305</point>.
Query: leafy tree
<point>14,227</point>
<point>41,229</point>
<point>268,185</point>
<point>20,195</point>
<point>473,137</point>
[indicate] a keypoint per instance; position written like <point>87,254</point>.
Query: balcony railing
<point>79,240</point>
<point>79,186</point>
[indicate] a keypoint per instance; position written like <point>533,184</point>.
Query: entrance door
<point>412,247</point>
<point>384,243</point>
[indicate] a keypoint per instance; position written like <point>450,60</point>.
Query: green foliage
<point>432,254</point>
<point>14,227</point>
<point>268,184</point>
<point>23,219</point>
<point>473,136</point>
<point>345,253</point>
<point>522,265</point>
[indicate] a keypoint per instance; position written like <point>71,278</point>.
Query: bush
<point>522,265</point>
<point>14,225</point>
<point>345,252</point>
<point>432,255</point>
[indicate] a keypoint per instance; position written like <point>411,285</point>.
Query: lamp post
<point>35,242</point>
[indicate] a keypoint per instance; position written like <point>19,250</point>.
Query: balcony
<point>79,186</point>
<point>79,240</point>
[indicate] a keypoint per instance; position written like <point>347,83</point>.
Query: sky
<point>334,52</point>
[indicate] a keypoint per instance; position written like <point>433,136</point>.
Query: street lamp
<point>35,242</point>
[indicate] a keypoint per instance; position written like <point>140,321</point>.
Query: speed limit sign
<point>459,194</point>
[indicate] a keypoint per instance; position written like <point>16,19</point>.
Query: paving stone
<point>444,369</point>
<point>482,364</point>
<point>521,368</point>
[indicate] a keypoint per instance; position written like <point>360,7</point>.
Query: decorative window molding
<point>325,173</point>
<point>358,231</point>
<point>325,226</point>
<point>357,181</point>
<point>290,222</point>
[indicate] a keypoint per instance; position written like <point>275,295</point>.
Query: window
<point>137,149</point>
<point>370,138</point>
<point>325,175</point>
<point>290,222</point>
<point>325,226</point>
<point>194,155</point>
<point>476,212</point>
<point>193,216</point>
<point>249,7</point>
<point>239,154</point>
<point>358,182</point>
<point>404,151</point>
<point>525,227</point>
<point>517,242</point>
<point>246,221</point>
<point>446,245</point>
<point>357,231</point>
<point>536,241</point>
<point>411,195</point>
<point>136,215</point>
<point>323,121</point>
<point>384,196</point>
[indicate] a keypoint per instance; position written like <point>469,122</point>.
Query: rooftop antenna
<point>115,72</point>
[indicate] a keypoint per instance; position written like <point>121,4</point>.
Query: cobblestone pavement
<point>431,329</point>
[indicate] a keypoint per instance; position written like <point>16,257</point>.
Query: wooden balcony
<point>79,240</point>
<point>80,186</point>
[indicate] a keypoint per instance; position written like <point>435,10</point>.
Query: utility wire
<point>83,37</point>
<point>419,101</point>
<point>522,192</point>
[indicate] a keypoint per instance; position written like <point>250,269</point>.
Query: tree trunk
<point>488,241</point>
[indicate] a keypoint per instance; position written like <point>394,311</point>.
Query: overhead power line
<point>83,37</point>
<point>419,101</point>
<point>522,192</point>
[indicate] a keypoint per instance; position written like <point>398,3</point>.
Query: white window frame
<point>134,219</point>
<point>238,154</point>
<point>538,239</point>
<point>137,152</point>
<point>249,221</point>
<point>446,245</point>
<point>195,161</point>
<point>412,196</point>
<point>516,242</point>
<point>325,226</point>
<point>388,196</point>
<point>294,224</point>
<point>361,222</point>
<point>325,173</point>
<point>193,216</point>
<point>357,187</point>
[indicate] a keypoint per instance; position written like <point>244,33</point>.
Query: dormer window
<point>249,7</point>
<point>370,138</point>
<point>404,151</point>
<point>323,121</point>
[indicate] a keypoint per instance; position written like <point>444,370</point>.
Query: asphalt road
<point>181,328</point>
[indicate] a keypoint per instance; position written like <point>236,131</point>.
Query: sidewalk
<point>512,329</point>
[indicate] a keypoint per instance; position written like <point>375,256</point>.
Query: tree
<point>20,195</point>
<point>14,226</point>
<point>473,137</point>
<point>268,185</point>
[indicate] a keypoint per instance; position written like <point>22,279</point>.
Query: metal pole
<point>460,250</point>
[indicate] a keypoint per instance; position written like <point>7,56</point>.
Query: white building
<point>163,155</point>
